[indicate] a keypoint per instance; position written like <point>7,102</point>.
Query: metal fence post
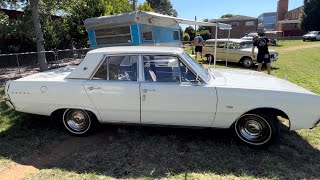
<point>17,57</point>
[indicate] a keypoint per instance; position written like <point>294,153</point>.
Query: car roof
<point>137,50</point>
<point>231,40</point>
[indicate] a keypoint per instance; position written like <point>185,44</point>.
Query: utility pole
<point>195,27</point>
<point>134,5</point>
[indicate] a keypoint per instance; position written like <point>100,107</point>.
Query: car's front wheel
<point>257,130</point>
<point>210,59</point>
<point>77,122</point>
<point>247,62</point>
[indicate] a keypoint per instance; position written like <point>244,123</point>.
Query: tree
<point>190,30</point>
<point>227,16</point>
<point>43,65</point>
<point>83,9</point>
<point>205,34</point>
<point>201,28</point>
<point>145,7</point>
<point>163,7</point>
<point>309,20</point>
<point>185,37</point>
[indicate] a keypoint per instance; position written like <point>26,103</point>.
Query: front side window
<point>166,69</point>
<point>147,33</point>
<point>118,68</point>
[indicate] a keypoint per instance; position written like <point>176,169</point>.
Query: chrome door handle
<point>146,90</point>
<point>92,88</point>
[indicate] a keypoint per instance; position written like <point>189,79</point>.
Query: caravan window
<point>114,35</point>
<point>176,35</point>
<point>147,33</point>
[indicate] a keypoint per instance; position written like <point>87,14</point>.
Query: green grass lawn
<point>166,153</point>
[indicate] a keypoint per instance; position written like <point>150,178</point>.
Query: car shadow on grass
<point>152,152</point>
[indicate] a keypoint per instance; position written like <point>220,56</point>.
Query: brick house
<point>240,26</point>
<point>288,21</point>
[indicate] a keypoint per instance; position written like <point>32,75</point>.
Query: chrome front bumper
<point>315,124</point>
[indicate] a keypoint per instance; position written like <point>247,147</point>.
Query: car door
<point>171,96</point>
<point>234,53</point>
<point>221,50</point>
<point>114,89</point>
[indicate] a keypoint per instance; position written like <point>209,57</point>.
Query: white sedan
<point>163,86</point>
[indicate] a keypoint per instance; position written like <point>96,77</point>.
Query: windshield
<point>313,32</point>
<point>202,71</point>
<point>247,44</point>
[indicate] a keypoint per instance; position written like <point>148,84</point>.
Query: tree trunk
<point>39,35</point>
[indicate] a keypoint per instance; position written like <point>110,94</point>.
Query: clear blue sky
<point>213,9</point>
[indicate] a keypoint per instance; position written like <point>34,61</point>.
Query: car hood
<point>256,80</point>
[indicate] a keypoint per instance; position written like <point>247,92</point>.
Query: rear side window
<point>209,44</point>
<point>221,45</point>
<point>118,68</point>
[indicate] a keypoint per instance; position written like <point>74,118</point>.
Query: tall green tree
<point>163,7</point>
<point>145,7</point>
<point>227,16</point>
<point>80,10</point>
<point>190,30</point>
<point>34,6</point>
<point>309,20</point>
<point>202,28</point>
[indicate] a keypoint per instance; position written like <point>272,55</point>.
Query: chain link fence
<point>13,66</point>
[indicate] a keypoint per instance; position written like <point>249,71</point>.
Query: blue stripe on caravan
<point>92,38</point>
<point>135,34</point>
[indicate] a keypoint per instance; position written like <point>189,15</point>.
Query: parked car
<point>163,86</point>
<point>312,36</point>
<point>249,36</point>
<point>240,51</point>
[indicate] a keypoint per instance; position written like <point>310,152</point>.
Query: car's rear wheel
<point>77,122</point>
<point>210,59</point>
<point>257,130</point>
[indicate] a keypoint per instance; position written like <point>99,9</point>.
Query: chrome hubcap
<point>253,129</point>
<point>77,120</point>
<point>247,62</point>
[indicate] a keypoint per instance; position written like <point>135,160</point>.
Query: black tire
<point>247,62</point>
<point>78,122</point>
<point>257,130</point>
<point>210,58</point>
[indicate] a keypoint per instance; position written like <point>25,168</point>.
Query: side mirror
<point>198,80</point>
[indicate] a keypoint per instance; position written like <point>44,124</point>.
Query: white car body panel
<point>116,101</point>
<point>186,106</point>
<point>217,102</point>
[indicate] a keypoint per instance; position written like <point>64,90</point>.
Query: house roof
<point>287,21</point>
<point>234,18</point>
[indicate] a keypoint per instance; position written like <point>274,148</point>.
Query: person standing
<point>262,42</point>
<point>198,43</point>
